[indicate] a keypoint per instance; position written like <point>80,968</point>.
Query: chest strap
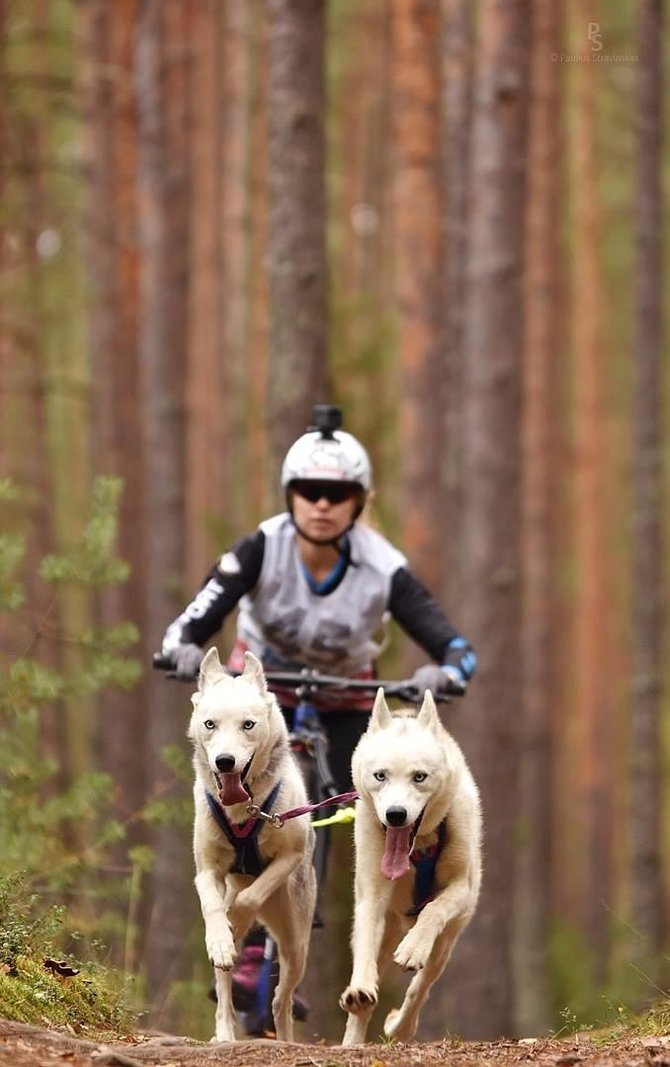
<point>425,864</point>
<point>243,836</point>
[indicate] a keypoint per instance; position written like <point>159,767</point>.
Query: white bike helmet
<point>315,457</point>
<point>326,453</point>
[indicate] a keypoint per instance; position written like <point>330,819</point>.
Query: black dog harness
<point>425,864</point>
<point>243,836</point>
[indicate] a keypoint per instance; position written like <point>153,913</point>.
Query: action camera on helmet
<point>327,418</point>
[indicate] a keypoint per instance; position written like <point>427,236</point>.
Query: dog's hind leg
<point>292,933</point>
<point>291,970</point>
<point>402,1022</point>
<point>225,1016</point>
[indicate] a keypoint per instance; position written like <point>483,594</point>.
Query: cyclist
<point>313,586</point>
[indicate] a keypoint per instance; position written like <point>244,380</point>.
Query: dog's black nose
<point>225,762</point>
<point>396,816</point>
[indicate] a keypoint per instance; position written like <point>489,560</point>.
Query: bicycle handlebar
<point>309,680</point>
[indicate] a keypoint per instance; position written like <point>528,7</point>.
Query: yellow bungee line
<point>342,815</point>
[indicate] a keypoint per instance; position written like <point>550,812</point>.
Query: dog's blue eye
<point>208,724</point>
<point>380,776</point>
<point>420,776</point>
<point>248,724</point>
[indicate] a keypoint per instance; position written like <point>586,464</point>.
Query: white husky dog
<point>247,868</point>
<point>418,860</point>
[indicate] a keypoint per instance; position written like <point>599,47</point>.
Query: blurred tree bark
<point>236,223</point>
<point>297,272</point>
<point>218,379</point>
<point>363,357</point>
<point>53,303</point>
<point>491,606</point>
<point>24,452</point>
<point>542,352</point>
<point>646,878</point>
<point>457,66</point>
<point>208,403</point>
<point>257,325</point>
<point>105,49</point>
<point>593,708</point>
<point>162,65</point>
<point>419,246</point>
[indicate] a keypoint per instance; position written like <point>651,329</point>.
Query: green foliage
<point>90,560</point>
<point>36,814</point>
<point>37,988</point>
<point>582,1000</point>
<point>12,549</point>
<point>55,833</point>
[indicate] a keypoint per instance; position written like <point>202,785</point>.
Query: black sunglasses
<point>334,492</point>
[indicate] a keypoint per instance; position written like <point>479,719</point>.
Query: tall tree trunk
<point>593,711</point>
<point>24,453</point>
<point>491,608</point>
<point>62,359</point>
<point>646,884</point>
<point>208,403</point>
<point>359,168</point>
<point>257,325</point>
<point>162,65</point>
<point>297,274</point>
<point>539,444</point>
<point>418,275</point>
<point>105,41</point>
<point>458,62</point>
<point>237,165</point>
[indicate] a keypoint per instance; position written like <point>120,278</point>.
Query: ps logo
<point>595,37</point>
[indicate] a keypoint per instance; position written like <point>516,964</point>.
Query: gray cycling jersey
<point>282,619</point>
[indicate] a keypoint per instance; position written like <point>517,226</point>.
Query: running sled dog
<point>247,868</point>
<point>418,860</point>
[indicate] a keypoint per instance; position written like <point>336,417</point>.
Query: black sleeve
<point>234,574</point>
<point>420,616</point>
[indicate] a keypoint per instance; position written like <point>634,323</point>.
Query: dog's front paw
<point>221,951</point>
<point>412,953</point>
<point>354,999</point>
<point>242,914</point>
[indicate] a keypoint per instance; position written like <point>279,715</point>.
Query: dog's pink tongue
<point>395,861</point>
<point>231,790</point>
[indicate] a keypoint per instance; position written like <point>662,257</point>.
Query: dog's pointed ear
<point>428,716</point>
<point>211,670</point>
<point>253,672</point>
<point>380,715</point>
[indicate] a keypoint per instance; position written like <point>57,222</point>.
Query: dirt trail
<point>28,1046</point>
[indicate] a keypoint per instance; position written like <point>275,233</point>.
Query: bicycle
<point>309,742</point>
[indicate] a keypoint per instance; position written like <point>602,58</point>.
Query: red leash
<point>278,819</point>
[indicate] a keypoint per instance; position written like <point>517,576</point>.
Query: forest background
<point>446,216</point>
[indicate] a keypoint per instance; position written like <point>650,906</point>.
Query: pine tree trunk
<point>105,45</point>
<point>646,879</point>
<point>457,65</point>
<point>541,358</point>
<point>418,276</point>
<point>297,274</point>
<point>162,63</point>
<point>208,403</point>
<point>481,976</point>
<point>592,708</point>
<point>24,453</point>
<point>236,224</point>
<point>260,484</point>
